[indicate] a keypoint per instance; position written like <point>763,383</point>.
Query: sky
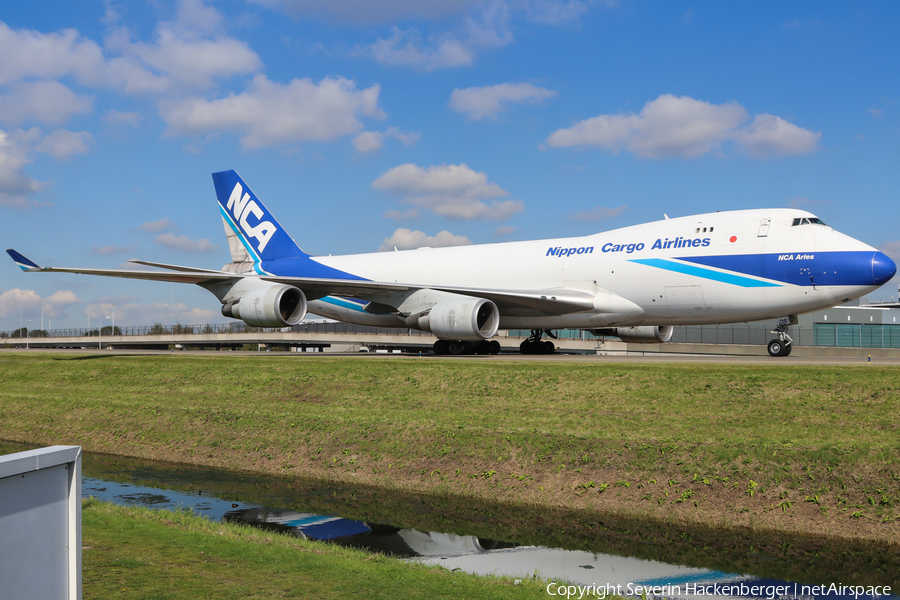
<point>365,126</point>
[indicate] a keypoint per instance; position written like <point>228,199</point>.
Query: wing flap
<point>510,302</point>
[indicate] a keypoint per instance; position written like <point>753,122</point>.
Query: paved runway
<point>861,360</point>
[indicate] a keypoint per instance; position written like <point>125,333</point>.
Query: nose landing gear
<point>781,346</point>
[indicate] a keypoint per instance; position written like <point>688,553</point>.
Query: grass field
<point>790,449</point>
<point>161,555</point>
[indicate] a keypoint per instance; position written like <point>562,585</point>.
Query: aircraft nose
<point>883,268</point>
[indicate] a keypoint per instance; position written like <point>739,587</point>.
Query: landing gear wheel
<point>495,347</point>
<point>442,347</point>
<point>456,347</point>
<point>534,345</point>
<point>781,346</point>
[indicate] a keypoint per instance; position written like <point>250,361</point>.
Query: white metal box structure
<point>40,524</point>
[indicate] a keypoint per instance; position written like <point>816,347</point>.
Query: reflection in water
<point>305,525</point>
<point>626,576</point>
<point>602,549</point>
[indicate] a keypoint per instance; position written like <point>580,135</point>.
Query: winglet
<point>24,263</point>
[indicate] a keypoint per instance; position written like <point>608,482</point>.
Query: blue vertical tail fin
<point>261,236</point>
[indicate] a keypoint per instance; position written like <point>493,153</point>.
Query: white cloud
<point>41,101</point>
<point>406,48</point>
<point>505,230</point>
<point>892,249</point>
<point>15,153</point>
<point>405,239</point>
<point>599,213</point>
<point>370,141</point>
<point>490,29</point>
<point>453,191</point>
<point>189,52</point>
<point>678,126</point>
<point>17,148</point>
<point>270,113</point>
<point>132,314</point>
<point>62,143</point>
<point>156,226</point>
<point>171,60</point>
<point>30,303</point>
<point>768,135</point>
<point>184,243</point>
<point>29,54</point>
<point>489,101</point>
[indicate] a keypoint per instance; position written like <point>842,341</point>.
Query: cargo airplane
<point>635,282</point>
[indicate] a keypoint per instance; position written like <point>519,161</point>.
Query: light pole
<point>27,331</point>
<point>20,315</point>
<point>88,311</point>
<point>100,335</point>
<point>114,320</point>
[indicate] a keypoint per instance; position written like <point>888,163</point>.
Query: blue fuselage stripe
<point>796,268</point>
<point>696,271</point>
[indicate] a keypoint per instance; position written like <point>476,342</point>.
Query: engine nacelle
<point>268,305</point>
<point>461,318</point>
<point>639,335</point>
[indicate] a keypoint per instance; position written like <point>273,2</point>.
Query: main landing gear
<point>781,346</point>
<point>534,345</point>
<point>458,347</point>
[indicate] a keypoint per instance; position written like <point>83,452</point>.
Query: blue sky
<point>365,125</point>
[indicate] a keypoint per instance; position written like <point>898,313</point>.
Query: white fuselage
<point>651,265</point>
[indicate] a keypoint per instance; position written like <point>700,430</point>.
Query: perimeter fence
<point>849,335</point>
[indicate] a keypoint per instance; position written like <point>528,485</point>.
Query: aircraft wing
<point>509,302</point>
<point>186,274</point>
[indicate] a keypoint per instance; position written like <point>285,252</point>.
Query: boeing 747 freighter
<point>635,282</point>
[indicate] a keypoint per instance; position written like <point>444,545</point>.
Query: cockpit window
<point>809,221</point>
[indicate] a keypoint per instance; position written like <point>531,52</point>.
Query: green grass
<point>687,439</point>
<point>156,555</point>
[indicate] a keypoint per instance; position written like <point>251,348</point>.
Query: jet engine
<point>460,318</point>
<point>268,305</point>
<point>639,335</point>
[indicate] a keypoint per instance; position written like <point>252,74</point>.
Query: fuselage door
<point>686,301</point>
<point>764,228</point>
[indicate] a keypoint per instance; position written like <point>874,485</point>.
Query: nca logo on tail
<point>240,207</point>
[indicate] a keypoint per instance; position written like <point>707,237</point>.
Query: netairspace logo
<point>742,589</point>
<point>241,207</point>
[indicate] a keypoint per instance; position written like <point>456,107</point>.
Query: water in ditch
<point>613,554</point>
